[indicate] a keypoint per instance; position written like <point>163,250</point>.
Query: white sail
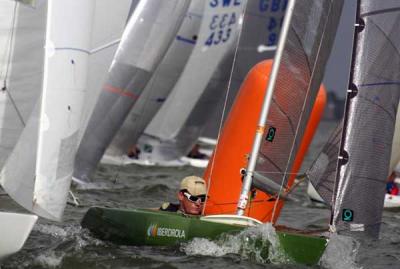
<point>147,37</point>
<point>110,19</point>
<point>38,172</point>
<point>14,43</point>
<point>27,2</point>
<point>218,33</point>
<point>161,83</point>
<point>22,58</point>
<point>258,40</point>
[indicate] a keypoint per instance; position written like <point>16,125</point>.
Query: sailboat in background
<point>105,38</point>
<point>42,99</point>
<point>169,138</point>
<point>15,227</point>
<point>200,66</point>
<point>159,87</point>
<point>148,35</point>
<point>304,52</point>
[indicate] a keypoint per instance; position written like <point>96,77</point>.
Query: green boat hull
<point>158,228</point>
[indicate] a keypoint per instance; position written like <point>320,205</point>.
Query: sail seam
<point>388,10</point>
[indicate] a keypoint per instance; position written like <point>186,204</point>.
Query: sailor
<point>133,152</point>
<point>391,186</point>
<point>191,196</point>
<point>195,153</point>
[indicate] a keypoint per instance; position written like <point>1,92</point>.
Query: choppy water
<point>66,245</point>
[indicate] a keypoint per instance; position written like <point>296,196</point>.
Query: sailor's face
<point>190,207</point>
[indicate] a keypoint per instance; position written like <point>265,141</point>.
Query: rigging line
<point>270,172</point>
<point>272,163</point>
<point>225,102</point>
<point>329,14</point>
<point>105,46</point>
<point>295,185</point>
<point>4,89</point>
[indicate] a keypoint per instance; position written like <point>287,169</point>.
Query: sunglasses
<point>194,198</point>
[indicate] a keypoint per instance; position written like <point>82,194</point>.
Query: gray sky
<point>337,71</point>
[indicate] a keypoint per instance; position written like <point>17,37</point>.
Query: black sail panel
<point>307,49</point>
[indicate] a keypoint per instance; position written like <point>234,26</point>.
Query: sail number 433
<point>220,28</point>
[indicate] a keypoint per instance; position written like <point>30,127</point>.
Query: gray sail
<point>109,23</point>
<point>370,118</point>
<point>21,63</point>
<point>322,173</point>
<point>260,32</point>
<point>161,83</point>
<point>308,45</point>
<point>217,35</point>
<point>169,151</point>
<point>261,26</point>
<point>149,33</point>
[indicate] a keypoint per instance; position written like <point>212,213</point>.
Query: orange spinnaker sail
<point>235,143</point>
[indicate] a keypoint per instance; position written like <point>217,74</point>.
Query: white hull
<point>391,201</point>
<point>200,163</point>
<point>14,230</point>
<point>207,141</point>
<point>125,160</point>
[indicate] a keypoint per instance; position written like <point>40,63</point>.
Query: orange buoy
<point>235,143</point>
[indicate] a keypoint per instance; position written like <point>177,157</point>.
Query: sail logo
<point>270,134</point>
<point>152,230</point>
<point>347,215</point>
<point>155,231</point>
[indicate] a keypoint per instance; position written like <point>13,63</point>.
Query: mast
<point>242,203</point>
